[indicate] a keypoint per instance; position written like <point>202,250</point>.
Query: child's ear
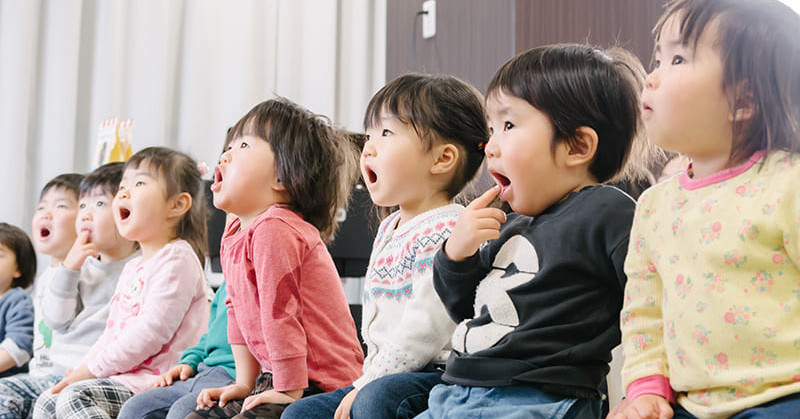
<point>180,204</point>
<point>446,158</point>
<point>582,148</point>
<point>744,104</point>
<point>277,186</point>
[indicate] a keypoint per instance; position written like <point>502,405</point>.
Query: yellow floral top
<point>713,295</point>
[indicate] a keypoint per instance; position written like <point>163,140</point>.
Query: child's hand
<point>234,391</point>
<point>82,249</point>
<point>343,411</point>
<point>180,371</point>
<point>271,396</point>
<point>79,374</point>
<point>646,406</point>
<point>475,225</point>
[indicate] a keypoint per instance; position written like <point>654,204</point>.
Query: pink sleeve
<point>278,253</point>
<point>235,336</point>
<point>163,308</point>
<point>652,384</point>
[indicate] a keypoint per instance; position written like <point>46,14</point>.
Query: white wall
<point>185,70</point>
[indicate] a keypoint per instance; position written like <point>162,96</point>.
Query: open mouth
<point>215,187</point>
<point>124,213</point>
<point>44,232</point>
<point>372,177</point>
<point>501,180</point>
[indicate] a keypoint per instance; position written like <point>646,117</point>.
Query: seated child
<point>205,365</point>
<point>160,306</point>
<point>53,235</point>
<point>76,300</point>
<point>710,324</point>
<point>284,175</point>
<point>425,142</point>
<point>17,270</point>
<point>537,293</point>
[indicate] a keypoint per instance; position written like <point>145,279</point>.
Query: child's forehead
<point>59,193</point>
<point>143,168</point>
<point>97,191</point>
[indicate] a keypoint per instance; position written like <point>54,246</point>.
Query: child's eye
<point>244,145</point>
<point>139,183</point>
<point>82,206</point>
<point>101,204</point>
<point>61,206</point>
<point>507,126</point>
<point>677,60</point>
<point>491,131</point>
<point>386,133</point>
<point>656,64</point>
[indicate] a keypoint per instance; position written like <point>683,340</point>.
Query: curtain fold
<point>185,70</point>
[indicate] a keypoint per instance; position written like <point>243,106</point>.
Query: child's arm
<point>278,256</point>
<point>169,297</point>
<point>61,302</point>
<point>17,347</point>
<point>247,370</point>
<point>641,318</point>
<point>456,270</point>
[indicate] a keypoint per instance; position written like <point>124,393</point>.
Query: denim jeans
<point>398,396</point>
<point>175,401</point>
<point>516,402</point>
<point>785,407</point>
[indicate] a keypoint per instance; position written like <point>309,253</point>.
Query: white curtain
<point>185,70</point>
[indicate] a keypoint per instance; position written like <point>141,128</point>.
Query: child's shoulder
<point>282,222</point>
<point>782,164</point>
<point>15,296</point>
<point>429,222</point>
<point>597,202</point>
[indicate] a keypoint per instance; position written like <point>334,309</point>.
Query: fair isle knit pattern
<point>404,323</point>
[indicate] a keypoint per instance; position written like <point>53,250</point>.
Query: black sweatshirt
<point>540,305</point>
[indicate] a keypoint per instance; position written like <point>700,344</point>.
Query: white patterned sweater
<point>404,324</point>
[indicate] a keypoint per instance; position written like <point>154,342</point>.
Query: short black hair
<point>18,242</point>
<point>578,85</point>
<point>68,181</point>
<point>440,108</point>
<point>106,177</point>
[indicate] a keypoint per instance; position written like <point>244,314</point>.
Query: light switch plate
<point>429,19</point>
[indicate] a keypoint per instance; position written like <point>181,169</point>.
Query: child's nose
<point>491,149</point>
<point>122,194</point>
<point>225,157</point>
<point>651,81</point>
<point>369,149</point>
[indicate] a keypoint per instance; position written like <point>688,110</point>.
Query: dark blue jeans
<point>785,407</point>
<point>395,396</point>
<point>175,401</point>
<point>514,402</point>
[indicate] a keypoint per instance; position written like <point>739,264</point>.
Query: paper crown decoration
<point>114,141</point>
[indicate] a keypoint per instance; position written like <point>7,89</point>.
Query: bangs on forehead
<point>255,124</point>
<point>152,166</point>
<point>693,19</point>
<point>389,103</point>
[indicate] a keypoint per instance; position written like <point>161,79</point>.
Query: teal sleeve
<point>195,355</point>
